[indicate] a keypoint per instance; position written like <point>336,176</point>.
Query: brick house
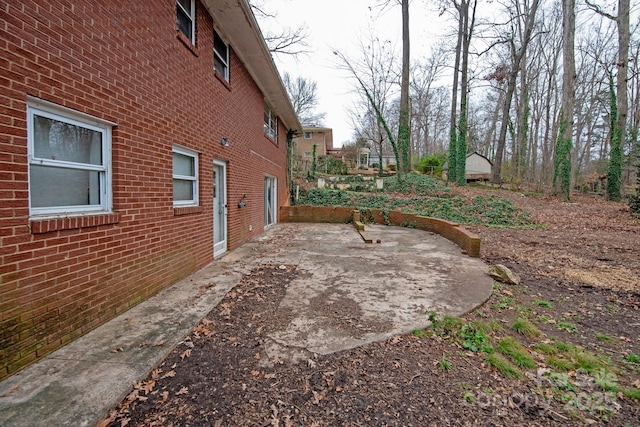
<point>322,138</point>
<point>138,140</point>
<point>303,144</point>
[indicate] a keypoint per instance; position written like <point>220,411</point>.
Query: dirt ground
<point>580,287</point>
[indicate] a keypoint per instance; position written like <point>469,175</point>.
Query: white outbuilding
<point>478,168</point>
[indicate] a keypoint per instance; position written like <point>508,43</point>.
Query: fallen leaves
<point>185,354</point>
<point>203,328</point>
<point>183,390</point>
<point>145,386</point>
<point>169,374</point>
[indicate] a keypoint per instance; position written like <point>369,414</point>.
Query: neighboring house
<point>138,141</point>
<point>303,144</point>
<point>388,158</point>
<point>478,168</point>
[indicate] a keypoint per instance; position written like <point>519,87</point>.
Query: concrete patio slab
<point>347,293</point>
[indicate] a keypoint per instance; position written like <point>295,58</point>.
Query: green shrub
<point>432,165</point>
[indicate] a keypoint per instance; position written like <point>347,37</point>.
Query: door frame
<point>274,200</point>
<point>220,248</point>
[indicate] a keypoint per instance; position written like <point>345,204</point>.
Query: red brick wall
<point>124,62</point>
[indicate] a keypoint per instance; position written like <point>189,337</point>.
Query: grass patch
<point>503,304</point>
<point>526,328</point>
<point>569,327</point>
<point>606,380</point>
<point>632,393</point>
<point>604,337</point>
<point>445,365</point>
<point>448,326</point>
<point>469,397</point>
<point>633,358</point>
<point>562,346</point>
<point>487,328</point>
<point>542,303</point>
<point>419,333</point>
<point>502,365</point>
<point>586,360</point>
<point>516,351</point>
<point>546,348</point>
<point>559,363</point>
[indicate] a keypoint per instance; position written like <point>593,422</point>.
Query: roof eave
<point>238,25</point>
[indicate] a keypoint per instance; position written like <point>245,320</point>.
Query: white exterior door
<point>270,203</point>
<point>219,208</point>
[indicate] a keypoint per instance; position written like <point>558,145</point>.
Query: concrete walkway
<point>347,293</point>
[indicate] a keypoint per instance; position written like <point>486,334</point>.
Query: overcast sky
<point>339,25</point>
<point>343,24</point>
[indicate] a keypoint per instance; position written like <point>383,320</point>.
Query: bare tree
<point>618,135</point>
<point>375,76</point>
<point>426,103</point>
<point>286,41</point>
<point>304,97</point>
<point>517,53</point>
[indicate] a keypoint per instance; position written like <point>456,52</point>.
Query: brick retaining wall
<point>467,240</point>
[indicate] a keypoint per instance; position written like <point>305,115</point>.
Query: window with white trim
<point>69,160</point>
<point>220,56</point>
<point>186,18</point>
<point>307,153</point>
<point>185,177</point>
<point>307,135</point>
<point>270,123</point>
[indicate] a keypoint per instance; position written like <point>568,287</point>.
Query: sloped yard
<point>560,349</point>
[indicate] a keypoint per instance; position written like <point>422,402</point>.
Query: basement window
<point>185,177</point>
<point>69,160</point>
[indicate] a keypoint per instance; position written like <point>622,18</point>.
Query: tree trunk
<point>461,150</point>
<point>404,132</point>
<point>562,159</point>
<point>453,137</point>
<point>619,134</point>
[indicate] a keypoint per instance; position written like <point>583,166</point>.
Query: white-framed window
<point>307,153</point>
<point>185,177</point>
<point>270,123</point>
<point>186,18</point>
<point>308,135</point>
<point>220,56</point>
<point>69,160</point>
